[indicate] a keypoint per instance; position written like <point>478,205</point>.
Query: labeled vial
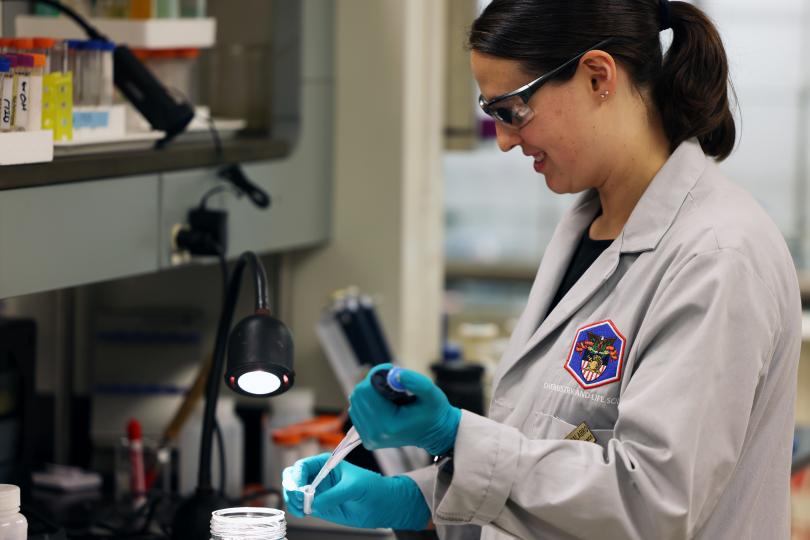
<point>13,525</point>
<point>6,94</point>
<point>35,93</point>
<point>22,90</point>
<point>248,524</point>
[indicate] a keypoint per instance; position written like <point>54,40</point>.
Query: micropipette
<point>387,383</point>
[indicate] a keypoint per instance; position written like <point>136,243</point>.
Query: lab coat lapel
<point>553,265</point>
<point>652,217</point>
<point>585,287</point>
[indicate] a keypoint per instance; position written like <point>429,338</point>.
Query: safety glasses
<point>513,109</point>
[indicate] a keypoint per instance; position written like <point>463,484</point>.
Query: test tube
<point>108,9</point>
<point>59,57</point>
<point>6,94</point>
<point>141,9</point>
<point>75,60</point>
<point>192,8</point>
<point>35,94</point>
<point>91,73</point>
<point>45,46</point>
<point>107,73</point>
<point>5,45</point>
<point>22,90</point>
<point>167,9</point>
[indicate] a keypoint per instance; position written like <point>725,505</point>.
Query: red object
<point>24,44</point>
<point>44,43</point>
<point>137,479</point>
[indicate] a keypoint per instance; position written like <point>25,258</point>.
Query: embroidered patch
<point>597,355</point>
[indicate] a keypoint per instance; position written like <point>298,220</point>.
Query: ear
<point>601,70</point>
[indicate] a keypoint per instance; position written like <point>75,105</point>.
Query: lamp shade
<point>260,357</point>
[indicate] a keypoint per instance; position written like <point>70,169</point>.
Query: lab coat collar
<point>655,212</point>
<point>652,217</point>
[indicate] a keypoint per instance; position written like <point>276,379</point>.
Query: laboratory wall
<point>387,192</point>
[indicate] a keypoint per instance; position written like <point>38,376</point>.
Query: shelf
<point>139,34</point>
<point>21,147</point>
<point>490,271</point>
<point>177,156</point>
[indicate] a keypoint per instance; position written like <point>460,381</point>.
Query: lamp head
<point>260,357</point>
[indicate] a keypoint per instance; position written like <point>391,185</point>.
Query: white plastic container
<point>248,524</point>
<point>233,439</point>
<point>296,405</point>
<point>13,525</point>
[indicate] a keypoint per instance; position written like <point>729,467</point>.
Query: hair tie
<point>666,15</point>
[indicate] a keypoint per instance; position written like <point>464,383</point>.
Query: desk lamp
<point>260,364</point>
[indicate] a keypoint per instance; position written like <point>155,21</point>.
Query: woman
<point>648,389</point>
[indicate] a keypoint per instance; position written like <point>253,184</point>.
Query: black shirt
<point>587,252</point>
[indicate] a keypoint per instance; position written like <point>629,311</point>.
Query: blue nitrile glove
<point>430,422</point>
<point>355,497</point>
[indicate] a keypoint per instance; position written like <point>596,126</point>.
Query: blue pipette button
<point>393,380</point>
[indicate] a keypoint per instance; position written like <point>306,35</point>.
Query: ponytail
<point>692,90</point>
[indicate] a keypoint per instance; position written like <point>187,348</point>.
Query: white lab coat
<point>693,410</point>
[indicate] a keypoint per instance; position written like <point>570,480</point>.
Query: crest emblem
<point>597,355</point>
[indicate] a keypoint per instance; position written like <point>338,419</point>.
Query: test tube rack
<point>21,147</point>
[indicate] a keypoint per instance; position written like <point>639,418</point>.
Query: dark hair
<point>689,86</point>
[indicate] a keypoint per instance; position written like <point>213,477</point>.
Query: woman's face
<point>565,137</point>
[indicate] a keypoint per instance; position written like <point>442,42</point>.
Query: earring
<point>604,94</point>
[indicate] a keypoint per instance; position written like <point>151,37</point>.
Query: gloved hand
<point>355,497</point>
<point>430,422</point>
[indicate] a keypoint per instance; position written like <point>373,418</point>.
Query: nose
<point>507,138</point>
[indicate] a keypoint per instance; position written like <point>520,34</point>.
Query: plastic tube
<point>192,8</point>
<point>22,45</point>
<point>75,64</point>
<point>45,46</point>
<point>141,9</point>
<point>6,94</point>
<point>5,45</point>
<point>22,90</point>
<point>107,89</point>
<point>349,443</point>
<point>35,101</point>
<point>91,73</point>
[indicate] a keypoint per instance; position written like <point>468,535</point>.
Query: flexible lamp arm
<point>215,376</point>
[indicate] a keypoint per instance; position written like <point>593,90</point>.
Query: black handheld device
<point>381,383</point>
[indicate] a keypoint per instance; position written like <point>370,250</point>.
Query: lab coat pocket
<point>551,427</point>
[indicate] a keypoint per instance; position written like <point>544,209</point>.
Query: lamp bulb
<point>259,382</point>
